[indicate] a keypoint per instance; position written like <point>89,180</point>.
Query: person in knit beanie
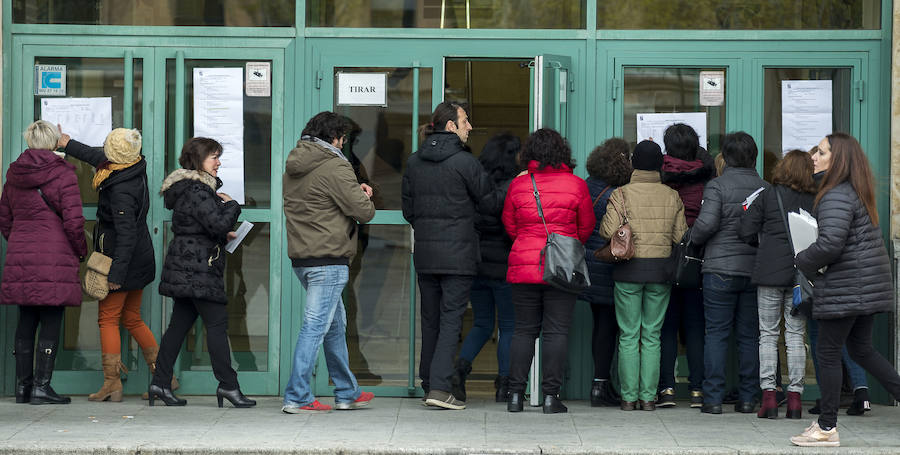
<point>647,156</point>
<point>123,146</point>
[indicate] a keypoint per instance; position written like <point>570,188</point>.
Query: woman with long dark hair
<point>490,289</point>
<point>609,167</point>
<point>540,308</point>
<point>852,279</point>
<point>763,225</point>
<point>194,269</point>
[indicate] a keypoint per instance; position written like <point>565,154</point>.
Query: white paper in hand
<point>241,232</point>
<point>804,229</point>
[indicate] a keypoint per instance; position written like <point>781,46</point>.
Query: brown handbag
<point>621,246</point>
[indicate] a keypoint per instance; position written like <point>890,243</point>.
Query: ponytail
<point>445,112</point>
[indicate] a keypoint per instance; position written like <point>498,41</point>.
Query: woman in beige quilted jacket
<point>655,214</point>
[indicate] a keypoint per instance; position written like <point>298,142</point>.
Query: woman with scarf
<point>122,234</point>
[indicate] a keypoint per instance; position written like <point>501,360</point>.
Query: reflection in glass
<point>97,77</point>
<point>380,149</point>
<point>772,126</point>
<point>247,288</point>
<point>669,90</point>
<point>743,15</point>
<point>230,13</point>
<point>548,14</point>
<point>496,92</point>
<point>257,130</point>
<point>377,301</point>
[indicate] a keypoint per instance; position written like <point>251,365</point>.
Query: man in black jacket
<point>442,185</point>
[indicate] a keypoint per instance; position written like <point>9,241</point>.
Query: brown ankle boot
<point>112,382</point>
<point>150,355</point>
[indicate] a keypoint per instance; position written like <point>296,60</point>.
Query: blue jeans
<point>730,304</point>
<point>857,375</point>
<point>324,323</point>
<point>487,294</point>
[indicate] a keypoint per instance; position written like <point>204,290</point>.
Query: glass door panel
<point>253,271</point>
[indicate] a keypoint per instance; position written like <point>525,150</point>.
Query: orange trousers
<point>124,306</point>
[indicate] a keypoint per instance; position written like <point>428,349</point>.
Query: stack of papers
<point>804,229</point>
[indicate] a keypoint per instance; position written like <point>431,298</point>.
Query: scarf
<point>106,169</point>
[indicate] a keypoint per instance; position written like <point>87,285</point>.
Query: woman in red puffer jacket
<point>539,307</point>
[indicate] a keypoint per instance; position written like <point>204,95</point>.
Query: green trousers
<point>640,311</point>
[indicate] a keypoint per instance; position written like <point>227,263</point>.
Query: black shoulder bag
<point>803,288</point>
<point>563,257</point>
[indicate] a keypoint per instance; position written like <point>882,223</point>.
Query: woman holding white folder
<point>856,284</point>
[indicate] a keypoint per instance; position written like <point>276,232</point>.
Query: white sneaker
<point>815,436</point>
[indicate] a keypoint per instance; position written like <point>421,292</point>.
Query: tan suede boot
<point>150,355</point>
<point>112,382</point>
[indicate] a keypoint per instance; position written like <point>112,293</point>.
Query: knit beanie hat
<point>123,146</point>
<point>647,156</point>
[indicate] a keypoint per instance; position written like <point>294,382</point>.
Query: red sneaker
<point>361,402</point>
<point>314,406</point>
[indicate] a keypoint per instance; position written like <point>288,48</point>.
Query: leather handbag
<point>562,256</point>
<point>803,288</point>
<point>688,263</point>
<point>621,245</point>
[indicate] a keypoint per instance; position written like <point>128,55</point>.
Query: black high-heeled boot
<point>24,353</point>
<point>501,384</point>
<point>236,398</point>
<point>516,402</point>
<point>463,368</point>
<point>165,395</point>
<point>41,392</point>
<point>552,405</point>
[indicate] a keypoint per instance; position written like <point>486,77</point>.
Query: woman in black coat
<point>609,167</point>
<point>193,272</point>
<point>852,279</point>
<point>490,289</point>
<point>122,204</point>
<point>763,224</point>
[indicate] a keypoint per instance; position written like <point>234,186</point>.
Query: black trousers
<point>540,309</point>
<point>443,301</point>
<point>215,318</point>
<point>48,317</point>
<point>603,339</point>
<point>856,332</point>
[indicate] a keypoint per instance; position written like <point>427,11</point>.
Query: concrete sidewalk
<point>404,426</point>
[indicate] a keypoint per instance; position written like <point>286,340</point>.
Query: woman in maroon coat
<point>539,307</point>
<point>40,217</point>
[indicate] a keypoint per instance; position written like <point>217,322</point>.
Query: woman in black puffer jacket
<point>609,167</point>
<point>490,289</point>
<point>194,268</point>
<point>856,283</point>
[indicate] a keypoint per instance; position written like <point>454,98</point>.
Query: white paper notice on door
<point>87,120</point>
<point>806,114</point>
<point>219,115</point>
<point>653,126</point>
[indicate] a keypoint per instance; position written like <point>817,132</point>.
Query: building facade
<point>252,72</point>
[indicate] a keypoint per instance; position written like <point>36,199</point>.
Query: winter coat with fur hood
<point>194,267</point>
<point>45,237</point>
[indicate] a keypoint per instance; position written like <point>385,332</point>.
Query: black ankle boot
<point>596,390</point>
<point>501,384</point>
<point>608,394</point>
<point>24,353</point>
<point>42,393</point>
<point>236,398</point>
<point>552,405</point>
<point>463,368</point>
<point>166,396</point>
<point>860,402</point>
<point>515,402</point>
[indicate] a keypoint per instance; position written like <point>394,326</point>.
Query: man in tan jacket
<point>656,216</point>
<point>323,202</point>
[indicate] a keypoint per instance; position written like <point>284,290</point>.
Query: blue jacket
<point>601,289</point>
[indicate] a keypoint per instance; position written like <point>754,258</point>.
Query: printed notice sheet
<point>653,126</point>
<point>87,120</point>
<point>806,110</point>
<point>219,114</point>
<point>241,232</point>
